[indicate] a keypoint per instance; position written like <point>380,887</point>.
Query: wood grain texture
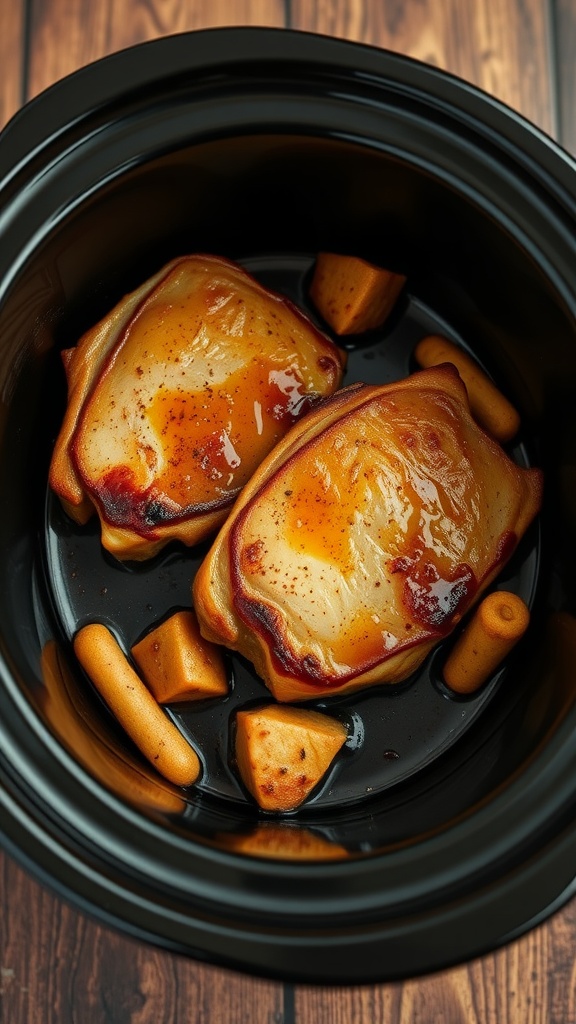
<point>530,982</point>
<point>502,46</point>
<point>11,59</point>
<point>564,14</point>
<point>67,34</point>
<point>59,967</point>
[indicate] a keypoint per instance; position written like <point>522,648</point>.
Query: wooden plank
<point>67,34</point>
<point>565,36</point>
<point>11,59</point>
<point>57,967</point>
<point>513,986</point>
<point>500,45</point>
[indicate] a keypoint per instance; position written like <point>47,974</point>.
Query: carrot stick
<point>134,706</point>
<point>488,405</point>
<point>499,621</point>
<point>353,295</point>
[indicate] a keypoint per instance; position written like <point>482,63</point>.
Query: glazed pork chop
<point>176,396</point>
<point>364,537</point>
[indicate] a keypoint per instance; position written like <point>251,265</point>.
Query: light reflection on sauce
<point>258,418</point>
<point>201,460</point>
<point>434,600</point>
<point>291,388</point>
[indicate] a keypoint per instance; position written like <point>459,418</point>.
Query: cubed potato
<point>284,752</point>
<point>178,664</point>
<point>353,295</point>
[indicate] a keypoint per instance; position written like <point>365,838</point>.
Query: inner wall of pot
<point>264,199</point>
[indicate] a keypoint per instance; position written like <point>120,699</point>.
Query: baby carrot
<point>351,294</point>
<point>134,706</point>
<point>500,620</point>
<point>488,405</point>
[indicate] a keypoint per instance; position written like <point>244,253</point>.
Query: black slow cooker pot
<point>447,827</point>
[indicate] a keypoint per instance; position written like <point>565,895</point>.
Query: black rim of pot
<point>459,893</point>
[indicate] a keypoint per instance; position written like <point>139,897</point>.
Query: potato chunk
<point>283,752</point>
<point>178,664</point>
<point>352,295</point>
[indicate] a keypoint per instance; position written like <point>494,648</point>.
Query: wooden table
<point>58,967</point>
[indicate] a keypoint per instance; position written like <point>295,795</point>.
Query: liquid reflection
<point>283,842</point>
<point>76,722</point>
